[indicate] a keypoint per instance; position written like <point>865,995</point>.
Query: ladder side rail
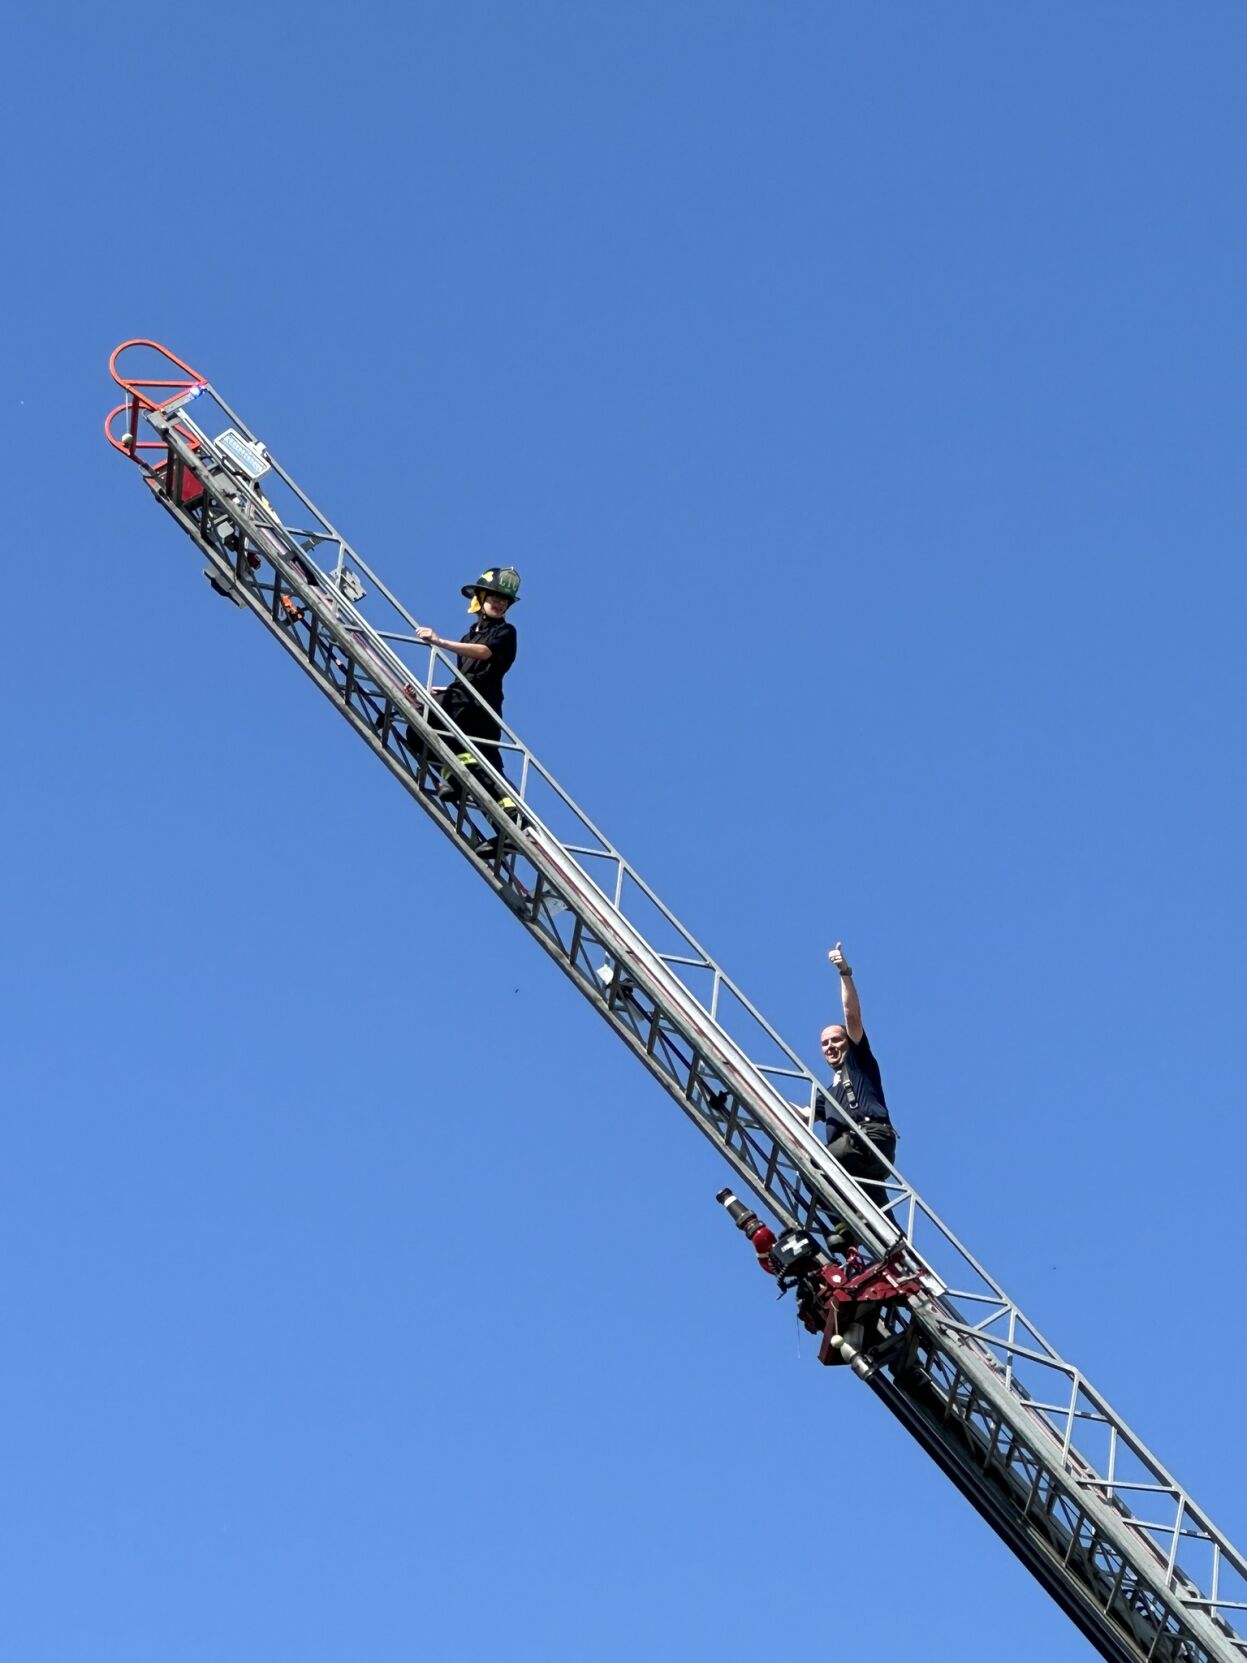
<point>339,616</point>
<point>342,619</point>
<point>236,420</point>
<point>1187,1520</point>
<point>1189,1514</point>
<point>983,1432</point>
<point>820,1174</point>
<point>167,426</point>
<point>1084,1404</point>
<point>643,968</point>
<point>619,944</point>
<point>331,532</point>
<point>164,423</point>
<point>1040,1538</point>
<point>324,531</point>
<point>1107,1590</point>
<point>1113,1521</point>
<point>800,1071</point>
<point>609,850</point>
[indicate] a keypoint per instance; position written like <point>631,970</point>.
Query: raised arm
<point>848,994</point>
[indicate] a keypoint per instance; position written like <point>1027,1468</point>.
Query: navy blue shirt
<point>856,1088</point>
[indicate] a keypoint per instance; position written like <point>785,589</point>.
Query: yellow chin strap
<point>475,605</point>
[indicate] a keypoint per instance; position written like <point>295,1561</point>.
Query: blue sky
<point>860,393</point>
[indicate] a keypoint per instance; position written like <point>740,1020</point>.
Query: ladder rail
<point>645,970</point>
<point>698,954</point>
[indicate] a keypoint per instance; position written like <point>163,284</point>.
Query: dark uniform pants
<point>855,1151</point>
<point>477,723</point>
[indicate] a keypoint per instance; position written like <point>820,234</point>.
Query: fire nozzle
<point>761,1236</point>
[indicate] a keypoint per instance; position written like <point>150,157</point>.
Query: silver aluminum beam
<point>1055,1471</point>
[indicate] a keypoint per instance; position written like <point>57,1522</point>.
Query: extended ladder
<point>1055,1471</point>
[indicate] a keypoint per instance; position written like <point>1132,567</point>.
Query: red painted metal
<point>763,1241</point>
<point>833,1297</point>
<point>139,391</point>
<point>855,1292</point>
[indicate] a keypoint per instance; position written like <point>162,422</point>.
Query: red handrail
<point>137,390</point>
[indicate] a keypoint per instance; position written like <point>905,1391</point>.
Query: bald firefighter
<point>861,1124</point>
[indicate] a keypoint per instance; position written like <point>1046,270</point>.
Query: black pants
<point>855,1151</point>
<point>477,724</point>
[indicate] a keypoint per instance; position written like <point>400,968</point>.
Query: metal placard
<point>245,455</point>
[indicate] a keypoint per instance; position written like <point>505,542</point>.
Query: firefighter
<point>863,1124</point>
<point>486,652</point>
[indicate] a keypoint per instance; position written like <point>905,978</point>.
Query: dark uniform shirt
<point>856,1088</point>
<point>486,674</point>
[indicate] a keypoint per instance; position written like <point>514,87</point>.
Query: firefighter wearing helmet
<point>485,653</point>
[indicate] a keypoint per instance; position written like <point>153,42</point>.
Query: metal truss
<point>1054,1470</point>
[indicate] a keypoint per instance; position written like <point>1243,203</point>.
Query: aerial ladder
<point>1025,1436</point>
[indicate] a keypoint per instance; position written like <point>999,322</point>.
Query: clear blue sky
<point>860,391</point>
